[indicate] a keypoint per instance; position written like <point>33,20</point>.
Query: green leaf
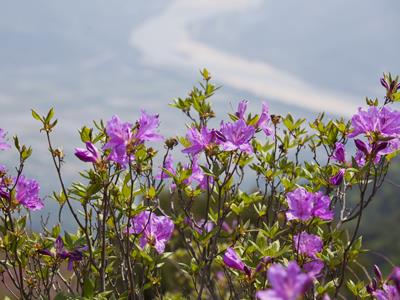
<point>36,116</point>
<point>88,287</point>
<point>68,240</point>
<point>50,115</point>
<point>151,192</point>
<point>85,134</point>
<point>396,97</point>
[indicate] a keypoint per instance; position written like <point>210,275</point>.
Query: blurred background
<point>92,59</point>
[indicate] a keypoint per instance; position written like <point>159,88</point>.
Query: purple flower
<point>287,283</point>
<point>236,136</point>
<point>147,128</point>
<point>229,228</point>
<point>232,260</point>
<point>314,268</point>
<point>3,143</point>
<point>241,110</point>
<point>308,244</point>
<point>264,122</point>
<point>384,121</point>
<point>363,147</point>
<point>3,182</point>
<point>390,147</point>
<point>156,231</point>
<point>120,135</point>
<point>304,205</point>
<point>27,193</point>
<point>90,154</point>
<point>365,150</point>
<point>338,178</point>
<point>62,253</point>
<point>75,255</point>
<point>169,166</point>
<point>395,277</point>
<point>362,154</point>
<point>198,176</point>
<point>208,226</point>
<point>200,140</point>
<point>321,207</point>
<point>45,252</point>
<point>339,153</point>
<point>3,170</point>
<point>300,203</point>
<point>200,225</point>
<point>388,292</point>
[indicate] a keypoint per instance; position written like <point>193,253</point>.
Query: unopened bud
<point>171,143</point>
<point>151,152</point>
<point>276,119</point>
<point>384,83</point>
<point>378,273</point>
<point>58,152</point>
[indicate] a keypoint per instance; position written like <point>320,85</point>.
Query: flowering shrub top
<point>151,226</point>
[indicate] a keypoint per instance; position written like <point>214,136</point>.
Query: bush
<point>190,230</point>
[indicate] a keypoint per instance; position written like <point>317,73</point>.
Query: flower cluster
<point>27,193</point>
<point>231,136</point>
<point>197,175</point>
<point>381,126</point>
<point>379,121</point>
<point>202,140</point>
<point>26,190</point>
<point>154,230</point>
<point>263,121</point>
<point>236,136</point>
<point>304,205</point>
<point>280,242</point>
<point>309,245</point>
<point>288,283</point>
<point>122,137</point>
<point>382,289</point>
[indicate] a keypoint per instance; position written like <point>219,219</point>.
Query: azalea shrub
<point>251,206</point>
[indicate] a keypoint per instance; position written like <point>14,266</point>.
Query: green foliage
<point>114,255</point>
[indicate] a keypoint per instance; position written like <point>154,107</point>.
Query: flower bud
<point>151,152</point>
<point>338,178</point>
<point>58,152</point>
<point>361,146</point>
<point>384,83</point>
<point>369,288</point>
<point>263,263</point>
<point>276,119</point>
<point>378,273</point>
<point>171,143</point>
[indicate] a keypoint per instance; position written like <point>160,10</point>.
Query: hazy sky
<point>93,59</point>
